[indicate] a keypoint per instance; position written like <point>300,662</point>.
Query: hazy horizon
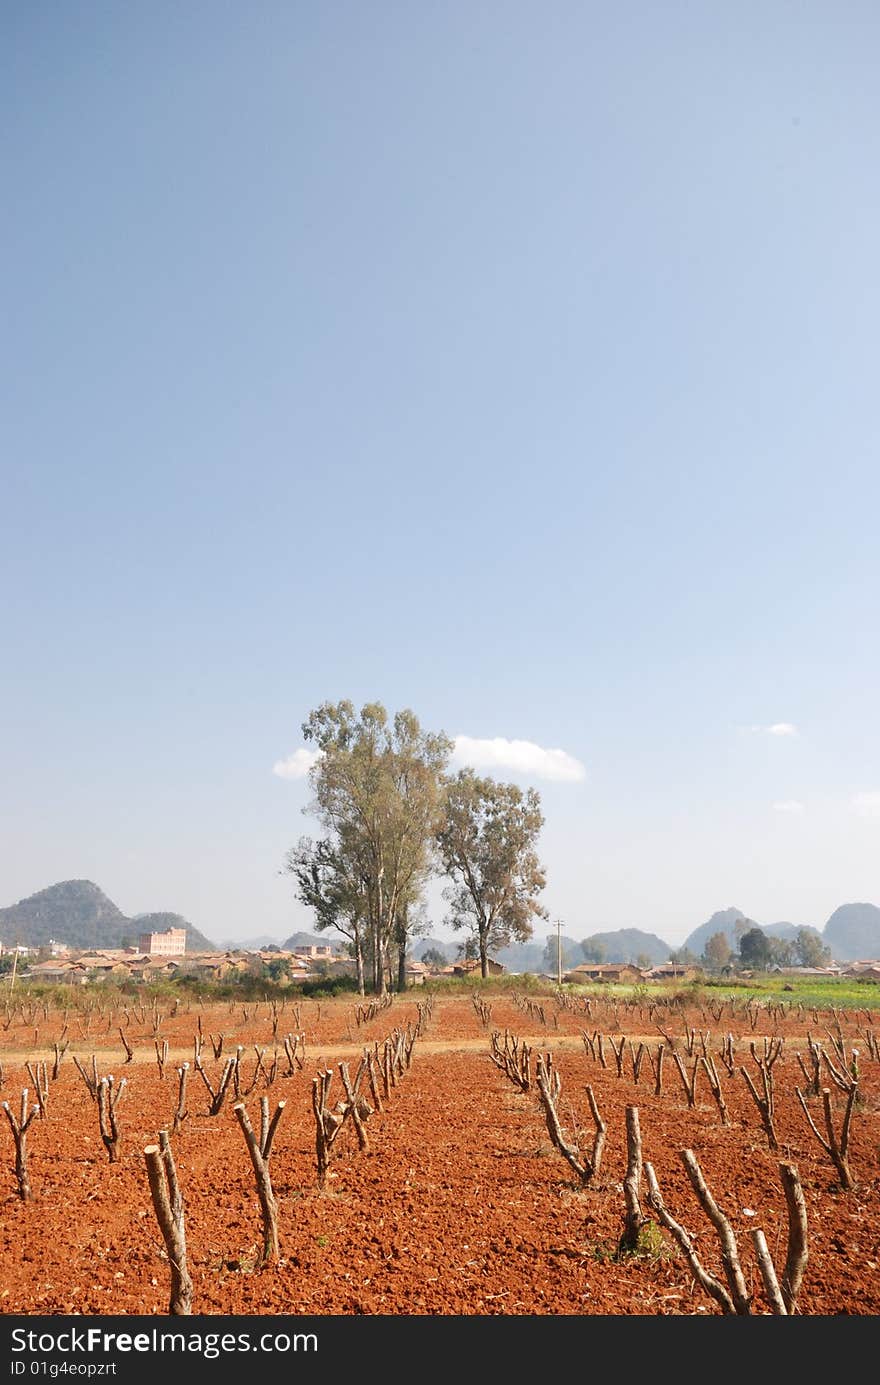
<point>443,932</point>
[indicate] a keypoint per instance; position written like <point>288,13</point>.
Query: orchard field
<point>449,1184</point>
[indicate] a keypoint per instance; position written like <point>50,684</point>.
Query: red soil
<point>461,1205</point>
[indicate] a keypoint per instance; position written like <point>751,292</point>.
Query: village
<point>163,956</point>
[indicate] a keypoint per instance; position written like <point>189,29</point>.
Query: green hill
<point>78,913</point>
<point>626,945</point>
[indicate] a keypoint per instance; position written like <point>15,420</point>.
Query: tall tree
<point>754,948</point>
<point>487,846</point>
<point>330,883</point>
<point>558,949</point>
<point>717,952</point>
<point>782,952</point>
<point>810,949</point>
<point>377,791</point>
<point>594,949</point>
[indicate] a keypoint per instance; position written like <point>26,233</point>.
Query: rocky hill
<point>853,932</point>
<point>78,913</point>
<point>301,939</point>
<point>625,945</point>
<point>731,922</point>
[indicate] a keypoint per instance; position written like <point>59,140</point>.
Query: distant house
<point>213,968</point>
<point>674,971</point>
<point>105,968</point>
<point>415,973</point>
<point>60,972</point>
<point>315,951</point>
<point>473,968</point>
<point>150,968</point>
<point>621,973</point>
<point>863,971</point>
<point>217,966</point>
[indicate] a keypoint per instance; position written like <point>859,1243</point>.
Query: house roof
<point>600,968</point>
<point>465,968</point>
<point>673,968</point>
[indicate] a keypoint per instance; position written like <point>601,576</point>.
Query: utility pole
<point>559,952</point>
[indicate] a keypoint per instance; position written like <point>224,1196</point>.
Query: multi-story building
<point>171,943</point>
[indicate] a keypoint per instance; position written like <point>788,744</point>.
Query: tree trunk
<point>259,1151</point>
<point>798,1252</point>
<point>634,1219</point>
<point>401,962</point>
<point>359,958</point>
<point>168,1207</point>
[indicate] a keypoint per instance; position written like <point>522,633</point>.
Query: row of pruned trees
<point>365,1092</point>
<point>531,1074</point>
<point>837,1063</point>
<point>379,1067</point>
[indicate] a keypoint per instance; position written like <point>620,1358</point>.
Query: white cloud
<point>522,757</point>
<point>297,765</point>
<point>790,805</point>
<point>777,728</point>
<point>867,804</point>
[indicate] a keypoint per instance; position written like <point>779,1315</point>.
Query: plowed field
<point>461,1204</point>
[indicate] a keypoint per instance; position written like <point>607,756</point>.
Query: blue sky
<point>515,364</point>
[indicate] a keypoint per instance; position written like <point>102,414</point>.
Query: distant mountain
<point>423,945</point>
<point>853,932</point>
<point>628,945</point>
<point>522,957</point>
<point>787,931</point>
<point>78,913</point>
<point>301,939</point>
<point>731,922</point>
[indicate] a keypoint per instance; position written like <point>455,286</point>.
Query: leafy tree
<point>278,969</point>
<point>570,950</point>
<point>486,843</point>
<point>411,921</point>
<point>683,957</point>
<point>717,952</point>
<point>781,951</point>
<point>378,792</point>
<point>754,948</point>
<point>469,950</point>
<point>594,950</point>
<point>433,957</point>
<point>741,926</point>
<point>329,882</point>
<point>810,950</point>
